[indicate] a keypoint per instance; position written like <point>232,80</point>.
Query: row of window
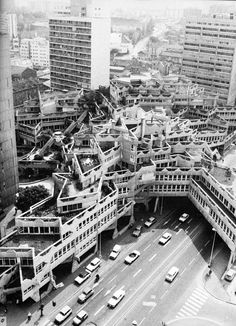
<point>39,230</point>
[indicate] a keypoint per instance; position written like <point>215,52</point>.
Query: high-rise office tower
<point>8,154</point>
<point>12,25</point>
<point>209,57</point>
<point>80,50</point>
<point>90,8</point>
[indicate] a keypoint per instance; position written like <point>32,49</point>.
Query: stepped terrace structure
<point>113,163</point>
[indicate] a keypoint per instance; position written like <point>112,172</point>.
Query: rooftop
<point>87,162</point>
<point>38,242</point>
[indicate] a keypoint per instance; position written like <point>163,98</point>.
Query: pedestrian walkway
<point>193,321</point>
<point>193,304</point>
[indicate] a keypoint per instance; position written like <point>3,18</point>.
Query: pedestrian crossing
<point>193,304</point>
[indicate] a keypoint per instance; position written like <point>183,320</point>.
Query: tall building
<point>8,155</point>
<point>209,57</point>
<point>79,52</point>
<point>12,25</point>
<point>90,8</point>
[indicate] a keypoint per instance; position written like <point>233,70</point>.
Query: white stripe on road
<point>188,311</point>
<point>179,315</point>
<point>137,272</point>
<point>190,220</point>
<point>187,228</point>
<point>192,302</point>
<point>191,306</point>
<point>165,293</point>
<point>142,321</point>
<point>112,279</point>
<point>200,303</point>
<point>191,261</point>
<point>124,268</point>
<point>199,297</point>
<point>150,259</point>
<point>183,271</point>
<point>207,243</point>
<point>179,231</point>
<point>147,247</point>
<point>109,291</point>
<point>185,312</point>
<point>97,312</point>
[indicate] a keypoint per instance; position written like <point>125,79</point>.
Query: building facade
<point>8,155</point>
<point>209,57</point>
<point>37,50</point>
<point>79,52</point>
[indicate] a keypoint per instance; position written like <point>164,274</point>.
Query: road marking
<point>193,303</point>
<point>190,220</point>
<point>156,239</point>
<point>149,304</point>
<point>147,247</point>
<point>188,311</point>
<point>172,223</point>
<point>192,261</point>
<point>142,321</point>
<point>150,259</point>
<point>137,272</point>
<point>124,268</point>
<point>187,228</point>
<point>183,271</point>
<point>165,293</point>
<point>179,231</point>
<point>207,243</point>
<point>112,279</point>
<point>179,315</point>
<point>99,310</point>
<point>109,291</point>
<point>191,306</point>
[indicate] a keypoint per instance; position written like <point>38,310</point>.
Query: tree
<point>29,196</point>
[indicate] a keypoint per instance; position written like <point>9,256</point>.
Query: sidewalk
<point>216,285</point>
<point>193,321</point>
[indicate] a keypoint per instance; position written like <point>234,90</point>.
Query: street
<point>149,298</point>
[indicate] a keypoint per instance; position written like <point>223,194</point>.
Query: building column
<point>231,259</point>
<point>156,203</point>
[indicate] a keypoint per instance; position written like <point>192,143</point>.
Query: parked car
<point>94,264</point>
<point>150,221</point>
<point>184,217</point>
<point>81,278</point>
<point>80,318</point>
<point>132,257</point>
<point>137,231</point>
<point>87,293</point>
<point>171,275</point>
<point>165,238</point>
<point>229,275</point>
<point>116,298</point>
<point>63,315</point>
<point>115,252</point>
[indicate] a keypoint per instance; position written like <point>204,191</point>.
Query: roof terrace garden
<point>87,162</point>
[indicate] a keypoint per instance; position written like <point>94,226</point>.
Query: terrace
<point>225,177</point>
<point>36,241</point>
<point>87,162</point>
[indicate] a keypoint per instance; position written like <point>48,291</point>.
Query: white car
<point>81,278</point>
<point>150,221</point>
<point>172,273</point>
<point>63,315</point>
<point>165,238</point>
<point>116,298</point>
<point>115,252</point>
<point>229,275</point>
<point>80,317</point>
<point>95,263</point>
<point>184,217</point>
<point>132,257</point>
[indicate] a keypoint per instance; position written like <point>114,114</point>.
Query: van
<point>171,275</point>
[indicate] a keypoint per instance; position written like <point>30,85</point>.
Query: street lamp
<point>212,248</point>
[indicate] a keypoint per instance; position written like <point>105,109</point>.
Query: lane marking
<point>109,291</point>
<point>97,312</point>
<point>207,243</point>
<point>183,271</point>
<point>190,220</point>
<point>156,239</point>
<point>179,231</point>
<point>192,261</point>
<point>147,247</point>
<point>165,293</point>
<point>124,268</point>
<point>173,223</point>
<point>137,272</point>
<point>142,321</point>
<point>112,279</point>
<point>150,259</point>
<point>187,228</point>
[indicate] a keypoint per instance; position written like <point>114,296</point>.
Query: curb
<point>190,318</point>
